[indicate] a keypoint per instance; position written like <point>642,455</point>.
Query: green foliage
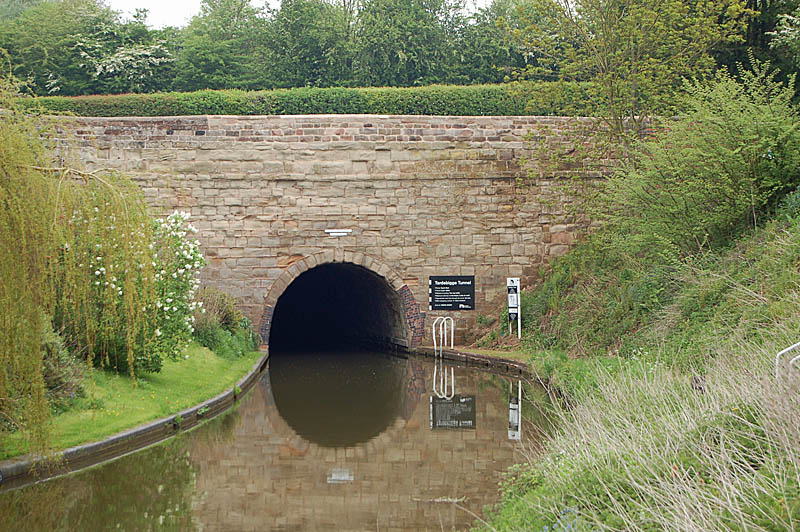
<point>673,420</point>
<point>476,100</point>
<point>63,374</point>
<point>221,47</point>
<point>10,9</point>
<point>80,247</point>
<point>226,344</point>
<point>81,46</point>
<point>158,274</point>
<point>41,264</point>
<point>781,30</point>
<point>735,150</point>
<point>311,44</point>
<point>702,179</point>
<point>403,42</point>
<point>637,51</point>
<point>216,308</point>
<point>73,47</point>
<point>647,452</point>
<point>221,327</point>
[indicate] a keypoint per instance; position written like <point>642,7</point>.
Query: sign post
<point>514,304</point>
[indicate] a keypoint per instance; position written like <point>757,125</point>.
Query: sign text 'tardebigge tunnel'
<point>394,199</point>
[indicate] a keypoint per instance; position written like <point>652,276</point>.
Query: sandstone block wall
<point>423,195</point>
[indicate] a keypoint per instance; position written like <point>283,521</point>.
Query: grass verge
<point>114,404</point>
<point>683,426</point>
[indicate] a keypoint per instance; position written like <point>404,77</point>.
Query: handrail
<point>440,328</point>
<point>791,362</point>
<point>442,322</point>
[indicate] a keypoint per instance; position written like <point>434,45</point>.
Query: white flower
<point>97,272</point>
<point>158,332</point>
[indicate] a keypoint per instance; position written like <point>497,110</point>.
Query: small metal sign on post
<point>514,304</point>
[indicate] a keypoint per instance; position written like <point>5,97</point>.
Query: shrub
<point>63,373</point>
<point>220,326</point>
<point>160,274</point>
<point>215,307</point>
<point>708,172</point>
<point>534,98</point>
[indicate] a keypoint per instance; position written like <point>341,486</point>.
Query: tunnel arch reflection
<point>329,375</point>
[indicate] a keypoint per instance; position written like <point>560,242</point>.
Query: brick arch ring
<point>414,318</point>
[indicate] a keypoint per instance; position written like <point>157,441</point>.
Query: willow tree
<point>52,218</point>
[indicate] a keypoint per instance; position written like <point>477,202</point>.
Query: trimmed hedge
<point>541,98</point>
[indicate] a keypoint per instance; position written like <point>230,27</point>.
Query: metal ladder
<point>441,326</point>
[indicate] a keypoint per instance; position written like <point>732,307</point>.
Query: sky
<point>177,12</point>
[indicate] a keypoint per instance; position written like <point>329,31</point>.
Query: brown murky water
<point>325,441</point>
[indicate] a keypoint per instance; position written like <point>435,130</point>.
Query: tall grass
<point>651,452</point>
<point>662,330</point>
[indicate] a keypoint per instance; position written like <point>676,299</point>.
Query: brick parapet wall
<point>424,195</point>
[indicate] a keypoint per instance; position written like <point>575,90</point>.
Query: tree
<point>75,47</point>
<point>405,42</point>
<point>220,48</point>
<point>637,52</point>
<point>11,9</point>
<point>310,43</point>
<point>787,37</point>
<point>759,35</point>
<point>483,54</point>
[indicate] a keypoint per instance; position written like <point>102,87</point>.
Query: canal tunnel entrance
<point>338,305</point>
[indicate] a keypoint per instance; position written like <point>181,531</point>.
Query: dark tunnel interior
<point>337,305</point>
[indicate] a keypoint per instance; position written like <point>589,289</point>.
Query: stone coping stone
<point>25,470</point>
<point>495,364</point>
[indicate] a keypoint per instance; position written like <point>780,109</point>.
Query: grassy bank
<point>687,429</point>
<point>113,404</point>
<point>660,330</point>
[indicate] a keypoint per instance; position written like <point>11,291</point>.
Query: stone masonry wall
<point>423,195</point>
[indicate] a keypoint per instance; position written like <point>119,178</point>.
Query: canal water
<point>339,441</point>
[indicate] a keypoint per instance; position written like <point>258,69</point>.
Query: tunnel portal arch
<point>380,307</point>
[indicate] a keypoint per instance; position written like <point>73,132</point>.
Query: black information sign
<point>451,292</point>
<point>455,413</point>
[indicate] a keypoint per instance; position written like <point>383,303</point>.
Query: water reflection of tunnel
<point>335,305</point>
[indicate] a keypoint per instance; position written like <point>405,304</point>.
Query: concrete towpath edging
<point>25,470</point>
<point>511,367</point>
